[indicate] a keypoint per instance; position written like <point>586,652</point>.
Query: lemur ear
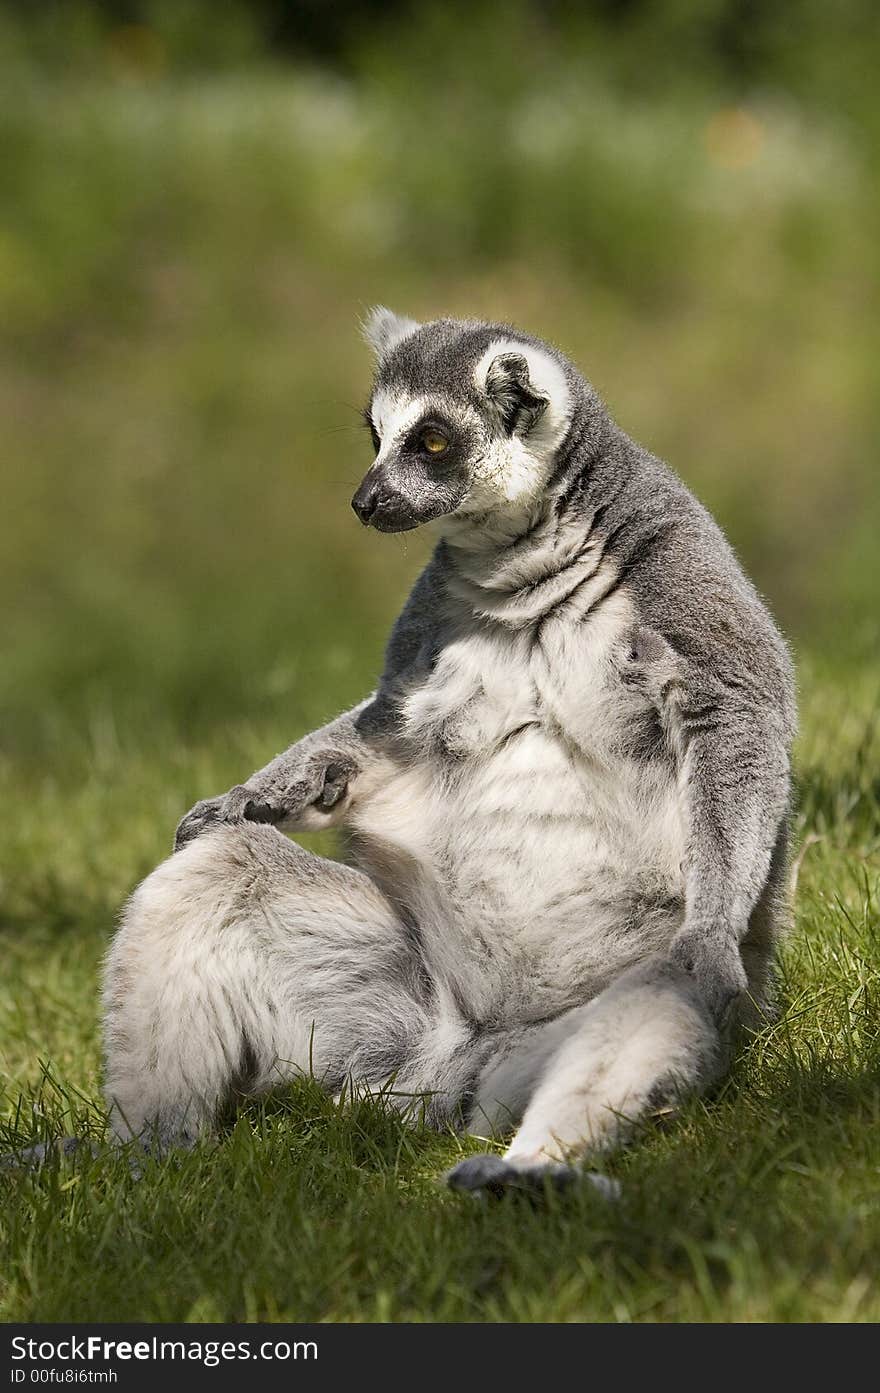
<point>520,404</point>
<point>383,330</point>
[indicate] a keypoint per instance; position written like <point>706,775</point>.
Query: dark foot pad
<point>492,1175</point>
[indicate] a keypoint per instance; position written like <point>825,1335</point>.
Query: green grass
<point>759,1204</point>
<point>182,262</point>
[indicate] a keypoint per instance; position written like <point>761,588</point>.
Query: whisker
<point>355,426</point>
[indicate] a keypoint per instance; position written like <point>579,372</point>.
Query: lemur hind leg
<point>243,961</point>
<point>580,1084</point>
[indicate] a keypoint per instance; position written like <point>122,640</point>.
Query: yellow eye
<point>434,442</point>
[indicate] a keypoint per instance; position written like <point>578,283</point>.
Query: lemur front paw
<point>714,963</point>
<point>290,791</point>
<point>318,782</point>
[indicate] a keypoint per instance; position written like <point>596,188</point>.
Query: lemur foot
<point>31,1158</point>
<point>492,1175</point>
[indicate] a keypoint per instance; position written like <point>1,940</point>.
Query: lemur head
<point>465,417</point>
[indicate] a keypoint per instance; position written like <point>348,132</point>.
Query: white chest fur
<point>550,853</point>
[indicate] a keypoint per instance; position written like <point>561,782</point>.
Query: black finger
<point>261,812</point>
<point>335,785</point>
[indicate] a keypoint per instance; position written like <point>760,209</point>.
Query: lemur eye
<point>435,442</point>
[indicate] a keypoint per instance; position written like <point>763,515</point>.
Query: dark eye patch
<point>430,425</point>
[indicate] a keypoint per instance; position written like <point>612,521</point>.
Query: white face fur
<point>508,470</point>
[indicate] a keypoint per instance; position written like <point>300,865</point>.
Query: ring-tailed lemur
<point>566,802</point>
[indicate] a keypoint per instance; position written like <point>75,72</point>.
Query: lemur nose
<point>366,500</point>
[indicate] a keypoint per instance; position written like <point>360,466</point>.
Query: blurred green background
<point>197,202</point>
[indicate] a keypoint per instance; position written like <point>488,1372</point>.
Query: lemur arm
<point>305,788</point>
<point>310,786</point>
<point>734,773</point>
